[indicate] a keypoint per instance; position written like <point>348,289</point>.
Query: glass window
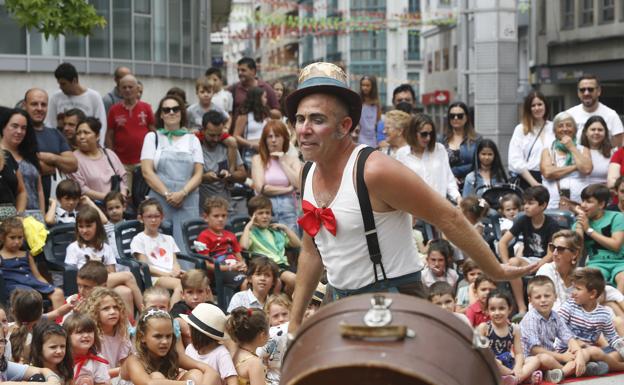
<point>142,38</point>
<point>40,46</point>
<point>122,27</point>
<point>445,59</point>
<point>175,31</point>
<point>414,6</point>
<point>197,21</point>
<point>413,45</point>
<point>541,17</point>
<point>413,78</point>
<point>13,37</point>
<point>99,39</point>
<point>75,46</point>
<point>142,6</point>
<point>429,63</point>
<point>567,14</point>
<point>160,31</point>
<point>587,12</point>
<point>455,56</point>
<point>607,11</point>
<point>436,60</point>
<point>186,32</point>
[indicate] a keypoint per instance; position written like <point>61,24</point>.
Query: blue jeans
<point>285,210</point>
<point>412,282</point>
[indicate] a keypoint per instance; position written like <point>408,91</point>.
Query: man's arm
<point>394,186</point>
<point>65,161</point>
<point>310,269</point>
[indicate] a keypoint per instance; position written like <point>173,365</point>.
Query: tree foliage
<point>56,17</point>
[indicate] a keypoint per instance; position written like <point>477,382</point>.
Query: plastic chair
<point>124,232</point>
<point>54,251</point>
<point>236,224</point>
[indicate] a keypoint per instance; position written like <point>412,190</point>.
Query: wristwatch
<point>589,231</point>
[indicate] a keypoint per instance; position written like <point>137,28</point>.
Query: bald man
<point>54,151</point>
<point>128,122</point>
<point>114,96</point>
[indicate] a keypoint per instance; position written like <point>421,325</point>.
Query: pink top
<point>95,174</point>
<point>115,349</point>
<point>275,175</point>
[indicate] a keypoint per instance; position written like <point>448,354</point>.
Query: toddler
<point>63,208</point>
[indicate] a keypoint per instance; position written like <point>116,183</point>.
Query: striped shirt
<point>544,332</point>
<point>588,325</point>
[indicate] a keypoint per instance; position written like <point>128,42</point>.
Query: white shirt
<point>600,167</point>
<point>77,256</point>
<point>520,145</point>
<point>273,352</point>
<point>159,250</point>
<point>63,216</point>
<point>245,299</point>
<point>187,143</point>
<point>224,100</point>
<point>219,359</point>
<point>614,123</point>
<point>90,102</point>
<point>572,181</point>
<point>433,167</point>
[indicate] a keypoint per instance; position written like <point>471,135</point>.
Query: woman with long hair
<point>488,169</point>
<point>460,141</point>
<point>275,173</point>
<point>529,138</point>
<point>595,136</point>
<point>252,117</point>
<point>371,111</point>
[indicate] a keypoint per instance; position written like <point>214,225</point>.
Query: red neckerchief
<point>80,360</point>
<point>314,217</point>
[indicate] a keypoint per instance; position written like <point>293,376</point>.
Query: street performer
<point>363,240</point>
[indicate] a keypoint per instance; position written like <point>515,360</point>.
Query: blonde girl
<point>277,309</point>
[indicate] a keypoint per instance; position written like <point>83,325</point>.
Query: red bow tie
<point>80,360</point>
<point>314,217</point>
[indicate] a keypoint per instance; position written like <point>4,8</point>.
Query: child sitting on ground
<point>277,309</point>
<point>476,312</point>
<point>466,294</point>
<point>439,264</point>
<point>195,290</point>
<point>441,294</point>
<point>250,330</point>
<point>261,276</point>
<point>510,206</point>
<point>270,239</point>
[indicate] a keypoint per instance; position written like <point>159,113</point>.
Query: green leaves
<point>56,17</point>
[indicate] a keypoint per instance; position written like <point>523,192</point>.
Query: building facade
<point>165,43</point>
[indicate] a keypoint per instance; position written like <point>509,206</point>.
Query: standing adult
<point>128,123</point>
<point>397,122</point>
<point>589,91</point>
<point>529,138</point>
<point>460,140</point>
<point>13,195</point>
<point>564,163</point>
<point>20,142</point>
<point>72,94</point>
<point>324,111</point>
<point>71,120</point>
<point>595,136</point>
<point>115,96</point>
<point>54,154</point>
<point>371,111</point>
<point>252,117</point>
<point>404,99</point>
<point>172,164</point>
<point>248,79</point>
<point>427,158</point>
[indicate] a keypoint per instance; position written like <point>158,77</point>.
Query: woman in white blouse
<point>529,138</point>
<point>427,158</point>
<point>595,136</point>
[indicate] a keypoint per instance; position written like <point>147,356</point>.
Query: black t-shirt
<point>8,180</point>
<point>535,240</point>
<point>180,308</point>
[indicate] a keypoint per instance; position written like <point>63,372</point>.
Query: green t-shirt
<point>269,242</point>
<point>610,223</point>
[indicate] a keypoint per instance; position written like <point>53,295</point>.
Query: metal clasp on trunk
<point>379,314</point>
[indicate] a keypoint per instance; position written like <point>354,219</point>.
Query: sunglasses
<point>170,110</point>
<point>587,89</point>
<point>456,116</point>
<point>560,249</point>
<point>425,134</point>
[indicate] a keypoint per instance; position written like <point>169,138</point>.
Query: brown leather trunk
<point>421,344</point>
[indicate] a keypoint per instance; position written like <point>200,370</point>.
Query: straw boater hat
<point>319,293</point>
<point>324,78</point>
<point>207,319</point>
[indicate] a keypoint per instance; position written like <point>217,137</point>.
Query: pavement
<point>607,380</point>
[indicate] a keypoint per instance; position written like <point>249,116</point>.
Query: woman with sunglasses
<point>529,138</point>
<point>172,164</point>
<point>460,140</point>
<point>427,158</point>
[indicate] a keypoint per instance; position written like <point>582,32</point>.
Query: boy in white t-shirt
<point>222,97</point>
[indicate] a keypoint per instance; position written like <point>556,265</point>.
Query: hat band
<point>322,81</point>
<point>204,327</point>
<point>319,294</point>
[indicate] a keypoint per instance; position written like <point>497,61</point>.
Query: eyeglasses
<point>560,249</point>
<point>456,116</point>
<point>425,134</point>
<point>587,89</point>
<point>170,110</point>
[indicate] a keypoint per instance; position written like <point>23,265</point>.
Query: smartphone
<point>223,165</point>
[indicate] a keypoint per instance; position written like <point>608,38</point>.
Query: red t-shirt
<point>475,315</point>
<point>130,127</point>
<point>218,245</point>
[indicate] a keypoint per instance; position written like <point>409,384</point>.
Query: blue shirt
<point>539,331</point>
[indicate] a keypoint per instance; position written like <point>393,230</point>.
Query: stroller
<point>493,193</point>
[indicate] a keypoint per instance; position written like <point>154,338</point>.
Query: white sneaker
<point>619,347</point>
<point>554,375</point>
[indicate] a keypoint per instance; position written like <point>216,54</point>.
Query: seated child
<point>466,294</point>
<point>49,350</point>
<point>195,290</point>
<point>221,244</point>
<point>261,275</point>
<point>207,328</point>
<point>63,208</point>
<point>441,294</point>
<point>157,250</point>
<point>85,346</point>
<point>603,233</point>
<point>475,209</point>
<point>114,204</point>
<point>277,309</point>
<point>537,230</point>
<point>476,312</point>
<point>249,328</point>
<point>546,335</point>
<point>439,264</point>
<point>270,239</point>
<point>91,275</point>
<point>510,206</point>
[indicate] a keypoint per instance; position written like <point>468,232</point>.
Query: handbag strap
<point>536,139</point>
<point>109,161</point>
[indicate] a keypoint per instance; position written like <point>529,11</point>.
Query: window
<point>160,31</point>
<point>429,63</point>
<point>455,56</point>
<point>142,38</point>
<point>75,46</point>
<point>186,32</point>
<point>175,31</point>
<point>587,12</point>
<point>122,29</point>
<point>99,40</point>
<point>413,45</point>
<point>567,14</point>
<point>607,11</point>
<point>13,37</point>
<point>445,59</point>
<point>414,7</point>
<point>541,17</point>
<point>413,78</point>
<point>436,60</point>
<point>368,46</point>
<point>40,46</point>
<point>142,6</point>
